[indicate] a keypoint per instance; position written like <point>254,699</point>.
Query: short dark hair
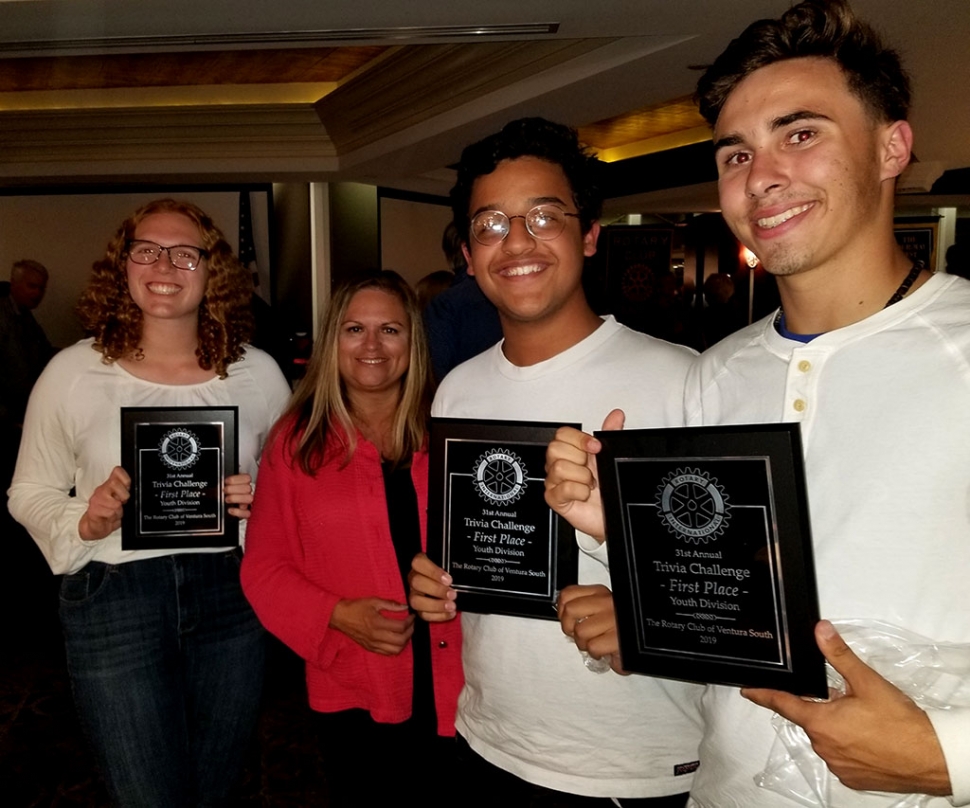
<point>821,28</point>
<point>26,265</point>
<point>530,137</point>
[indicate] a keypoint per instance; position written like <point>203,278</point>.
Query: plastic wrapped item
<point>935,675</point>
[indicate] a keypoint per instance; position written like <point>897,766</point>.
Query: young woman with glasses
<point>164,653</point>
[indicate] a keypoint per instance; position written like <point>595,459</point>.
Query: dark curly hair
<point>530,137</point>
<point>109,314</point>
<point>821,28</point>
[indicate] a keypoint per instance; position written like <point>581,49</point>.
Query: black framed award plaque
<point>178,459</point>
<point>488,523</point>
<point>710,555</point>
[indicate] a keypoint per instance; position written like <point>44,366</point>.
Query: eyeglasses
<point>180,256</point>
<point>544,222</point>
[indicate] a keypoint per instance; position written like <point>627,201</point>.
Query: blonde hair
<point>109,314</point>
<point>320,402</point>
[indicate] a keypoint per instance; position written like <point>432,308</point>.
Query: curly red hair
<point>109,314</point>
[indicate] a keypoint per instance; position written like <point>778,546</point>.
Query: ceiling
<point>183,91</point>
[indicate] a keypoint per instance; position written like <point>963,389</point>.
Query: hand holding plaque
<point>489,527</point>
<point>711,557</point>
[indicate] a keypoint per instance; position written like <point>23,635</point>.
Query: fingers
<point>859,678</point>
<point>431,595</point>
<point>570,485</point>
<point>562,495</point>
<point>569,476</point>
<point>105,507</point>
<point>389,636</point>
<point>427,578</point>
<point>578,440</point>
<point>366,622</point>
<point>120,476</point>
<point>577,592</point>
<point>433,610</point>
<point>238,489</point>
<point>785,704</point>
<point>422,565</point>
<point>596,635</point>
<point>567,451</point>
<point>573,446</point>
<point>586,614</point>
<point>115,491</point>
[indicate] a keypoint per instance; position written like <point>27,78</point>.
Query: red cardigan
<point>312,541</point>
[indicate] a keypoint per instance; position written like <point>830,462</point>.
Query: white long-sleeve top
<point>884,408</point>
<point>72,439</point>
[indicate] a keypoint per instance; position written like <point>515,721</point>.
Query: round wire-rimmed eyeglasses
<point>544,222</point>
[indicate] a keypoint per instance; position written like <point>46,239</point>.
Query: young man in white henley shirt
<point>871,355</point>
<point>537,727</point>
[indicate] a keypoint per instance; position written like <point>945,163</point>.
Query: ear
<point>468,258</point>
<point>589,240</point>
<point>897,149</point>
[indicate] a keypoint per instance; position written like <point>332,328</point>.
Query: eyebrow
<point>726,141</point>
<point>800,115</point>
<point>777,123</point>
<point>536,200</point>
<point>350,320</point>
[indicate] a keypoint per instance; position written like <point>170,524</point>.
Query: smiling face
<point>162,291</point>
<point>528,279</point>
<point>805,173</point>
<point>374,343</point>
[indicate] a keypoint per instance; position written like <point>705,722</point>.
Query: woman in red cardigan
<point>339,514</point>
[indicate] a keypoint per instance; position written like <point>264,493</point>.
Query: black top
<point>402,512</point>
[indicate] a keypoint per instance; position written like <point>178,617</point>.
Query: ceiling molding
<point>167,139</point>
<point>406,88</point>
<point>145,97</point>
<point>239,40</point>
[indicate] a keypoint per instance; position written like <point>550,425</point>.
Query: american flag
<point>247,248</point>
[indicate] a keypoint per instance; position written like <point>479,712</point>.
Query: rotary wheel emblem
<point>179,448</point>
<point>500,476</point>
<point>693,505</point>
<point>637,283</point>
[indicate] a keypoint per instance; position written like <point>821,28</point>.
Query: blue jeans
<point>166,662</point>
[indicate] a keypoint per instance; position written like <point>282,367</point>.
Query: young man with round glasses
<point>538,727</point>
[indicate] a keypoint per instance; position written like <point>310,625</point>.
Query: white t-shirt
<point>529,705</point>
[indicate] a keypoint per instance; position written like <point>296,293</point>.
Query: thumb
<point>614,421</point>
<point>838,654</point>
